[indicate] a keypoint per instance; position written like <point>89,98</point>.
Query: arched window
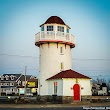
<point>12,77</point>
<point>7,77</point>
<point>2,77</point>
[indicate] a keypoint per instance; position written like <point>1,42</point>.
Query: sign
<point>33,90</point>
<point>21,91</point>
<point>31,84</point>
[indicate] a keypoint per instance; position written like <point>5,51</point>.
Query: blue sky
<point>89,21</point>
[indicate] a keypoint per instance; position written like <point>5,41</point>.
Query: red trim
<point>56,41</point>
<point>68,74</point>
<point>48,45</point>
<point>41,45</point>
<point>57,44</point>
<point>65,46</point>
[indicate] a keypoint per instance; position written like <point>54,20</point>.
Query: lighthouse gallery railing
<point>51,35</point>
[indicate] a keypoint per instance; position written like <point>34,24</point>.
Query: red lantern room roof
<point>54,19</point>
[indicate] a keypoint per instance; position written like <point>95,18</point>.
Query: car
<point>29,94</point>
<point>109,92</point>
<point>4,99</point>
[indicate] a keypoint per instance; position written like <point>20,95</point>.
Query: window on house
<point>23,83</point>
<point>61,66</point>
<point>60,28</point>
<point>55,87</point>
<point>19,82</point>
<point>12,77</point>
<point>2,77</point>
<point>11,84</point>
<point>42,28</point>
<point>7,77</point>
<point>2,84</point>
<point>15,90</point>
<point>5,84</point>
<point>49,28</point>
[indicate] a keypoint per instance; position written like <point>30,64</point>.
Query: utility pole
<point>0,87</point>
<point>25,79</point>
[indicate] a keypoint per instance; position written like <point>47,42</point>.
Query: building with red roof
<point>68,74</point>
<point>64,83</point>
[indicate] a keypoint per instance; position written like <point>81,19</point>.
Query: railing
<point>51,35</point>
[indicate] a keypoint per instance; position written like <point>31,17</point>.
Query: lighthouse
<point>55,43</point>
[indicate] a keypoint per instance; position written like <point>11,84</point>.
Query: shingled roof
<point>68,74</point>
<point>54,20</point>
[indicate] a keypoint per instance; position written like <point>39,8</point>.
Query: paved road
<point>68,108</point>
<point>74,106</point>
<point>65,108</point>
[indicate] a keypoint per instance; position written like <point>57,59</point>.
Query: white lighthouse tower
<point>55,44</point>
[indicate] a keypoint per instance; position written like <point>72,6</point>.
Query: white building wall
<point>59,87</point>
<point>104,89</point>
<point>50,62</point>
<point>84,85</point>
<point>50,87</point>
<point>67,85</point>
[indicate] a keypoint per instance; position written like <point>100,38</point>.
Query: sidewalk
<point>79,104</point>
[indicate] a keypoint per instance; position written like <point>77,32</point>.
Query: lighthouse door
<point>76,92</point>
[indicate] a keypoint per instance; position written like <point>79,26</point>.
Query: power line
<point>18,55</point>
<point>89,59</point>
<point>19,68</point>
<point>82,59</point>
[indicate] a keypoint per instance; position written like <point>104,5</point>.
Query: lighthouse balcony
<point>52,36</point>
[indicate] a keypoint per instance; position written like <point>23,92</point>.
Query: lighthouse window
<point>61,50</point>
<point>61,66</point>
<point>60,28</point>
<point>42,28</point>
<point>49,28</point>
<point>67,30</point>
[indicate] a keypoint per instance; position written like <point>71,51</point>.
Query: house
<point>31,85</point>
<point>11,84</point>
<point>95,88</point>
<point>103,90</point>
